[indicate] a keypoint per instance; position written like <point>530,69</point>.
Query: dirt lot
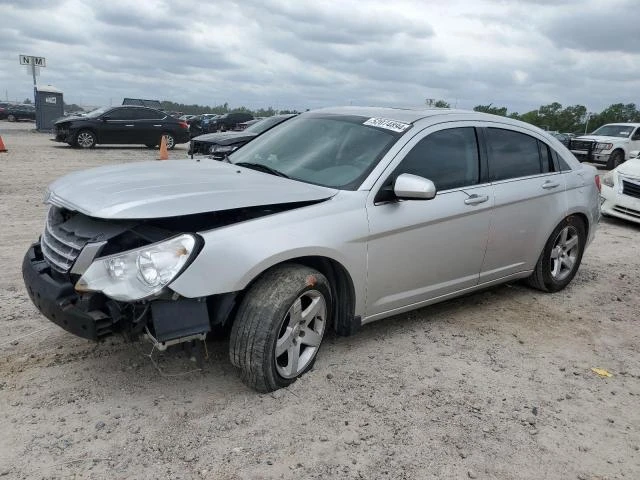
<point>493,385</point>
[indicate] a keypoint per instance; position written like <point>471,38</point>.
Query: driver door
<point>421,250</point>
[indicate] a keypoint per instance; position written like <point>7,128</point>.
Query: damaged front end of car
<point>96,277</point>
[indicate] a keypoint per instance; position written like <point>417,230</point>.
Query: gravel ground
<point>493,385</point>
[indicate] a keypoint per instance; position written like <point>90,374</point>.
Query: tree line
<point>195,109</point>
<point>571,119</point>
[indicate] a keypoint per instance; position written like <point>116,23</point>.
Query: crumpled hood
<point>226,138</point>
<point>68,119</point>
<point>175,188</point>
<point>603,139</point>
<point>630,168</point>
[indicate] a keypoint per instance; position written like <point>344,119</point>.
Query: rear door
<point>150,125</point>
<point>530,201</point>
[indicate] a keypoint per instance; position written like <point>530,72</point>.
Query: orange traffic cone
<point>164,154</point>
<point>2,147</point>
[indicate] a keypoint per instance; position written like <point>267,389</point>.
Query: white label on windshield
<point>393,125</point>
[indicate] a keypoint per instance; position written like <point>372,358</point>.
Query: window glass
<point>545,158</point>
<point>449,158</point>
<point>562,163</point>
<point>512,154</point>
<point>121,114</point>
<point>148,114</point>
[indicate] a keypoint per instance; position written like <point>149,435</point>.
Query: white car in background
<point>621,190</point>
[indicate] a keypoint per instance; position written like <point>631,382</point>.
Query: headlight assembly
<point>223,148</point>
<point>607,180</point>
<point>140,273</point>
<point>604,146</point>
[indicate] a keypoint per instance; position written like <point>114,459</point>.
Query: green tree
<point>502,111</point>
<point>441,104</point>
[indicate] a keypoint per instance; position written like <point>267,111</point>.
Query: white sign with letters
<point>30,60</point>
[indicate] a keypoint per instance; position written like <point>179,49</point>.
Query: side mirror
<point>413,187</point>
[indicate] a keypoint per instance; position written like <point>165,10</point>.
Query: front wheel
<point>86,139</point>
<point>615,159</point>
<point>11,118</point>
<point>561,256</point>
<point>279,326</point>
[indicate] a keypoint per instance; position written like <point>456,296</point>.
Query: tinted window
<point>121,114</point>
<point>449,158</point>
<point>562,163</point>
<point>148,114</point>
<point>545,158</point>
<point>512,154</point>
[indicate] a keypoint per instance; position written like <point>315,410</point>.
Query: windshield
<point>328,150</point>
<point>97,112</point>
<point>622,131</point>
<point>264,125</point>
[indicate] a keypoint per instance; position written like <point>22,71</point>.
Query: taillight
<point>183,125</point>
<point>598,185</point>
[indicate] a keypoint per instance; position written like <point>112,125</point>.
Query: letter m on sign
<point>38,61</point>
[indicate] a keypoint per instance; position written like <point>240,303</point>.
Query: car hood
<point>68,119</point>
<point>602,139</point>
<point>226,138</point>
<point>175,188</point>
<point>630,168</point>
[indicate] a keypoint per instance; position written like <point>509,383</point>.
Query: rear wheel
<point>86,139</point>
<point>279,326</point>
<point>561,256</point>
<point>171,141</point>
<point>615,159</point>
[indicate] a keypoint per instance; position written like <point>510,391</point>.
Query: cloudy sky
<point>306,54</point>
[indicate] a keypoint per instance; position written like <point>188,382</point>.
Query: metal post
<point>35,90</point>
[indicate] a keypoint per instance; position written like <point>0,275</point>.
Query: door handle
<point>157,125</point>
<point>476,199</point>
<point>128,125</point>
<point>549,185</point>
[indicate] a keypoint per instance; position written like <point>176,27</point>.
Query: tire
<point>285,311</point>
<point>171,141</point>
<point>560,257</point>
<point>615,159</point>
<point>11,118</point>
<point>85,139</point>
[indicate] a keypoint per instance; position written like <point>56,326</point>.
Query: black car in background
<point>123,125</point>
<point>21,111</point>
<point>228,121</point>
<point>219,145</point>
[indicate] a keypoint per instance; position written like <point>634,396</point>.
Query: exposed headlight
<point>140,273</point>
<point>607,180</point>
<point>604,146</point>
<point>223,148</point>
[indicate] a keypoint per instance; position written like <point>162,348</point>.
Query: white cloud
<point>303,55</point>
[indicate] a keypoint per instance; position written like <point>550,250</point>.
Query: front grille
<point>201,148</point>
<point>630,188</point>
<point>627,211</point>
<point>60,247</point>
<point>582,145</point>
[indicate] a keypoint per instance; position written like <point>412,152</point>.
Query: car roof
<point>623,124</point>
<point>409,115</point>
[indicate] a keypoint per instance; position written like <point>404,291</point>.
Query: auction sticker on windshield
<point>393,125</point>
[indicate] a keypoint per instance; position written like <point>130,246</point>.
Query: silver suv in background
<point>331,220</point>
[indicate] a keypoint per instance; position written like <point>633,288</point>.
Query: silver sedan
<point>333,219</point>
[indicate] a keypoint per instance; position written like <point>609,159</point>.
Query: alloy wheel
<point>85,140</point>
<point>564,253</point>
<point>301,334</point>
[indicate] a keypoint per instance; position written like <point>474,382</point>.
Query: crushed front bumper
<point>58,301</point>
<point>94,316</point>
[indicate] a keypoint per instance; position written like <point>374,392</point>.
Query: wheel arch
<point>343,294</point>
